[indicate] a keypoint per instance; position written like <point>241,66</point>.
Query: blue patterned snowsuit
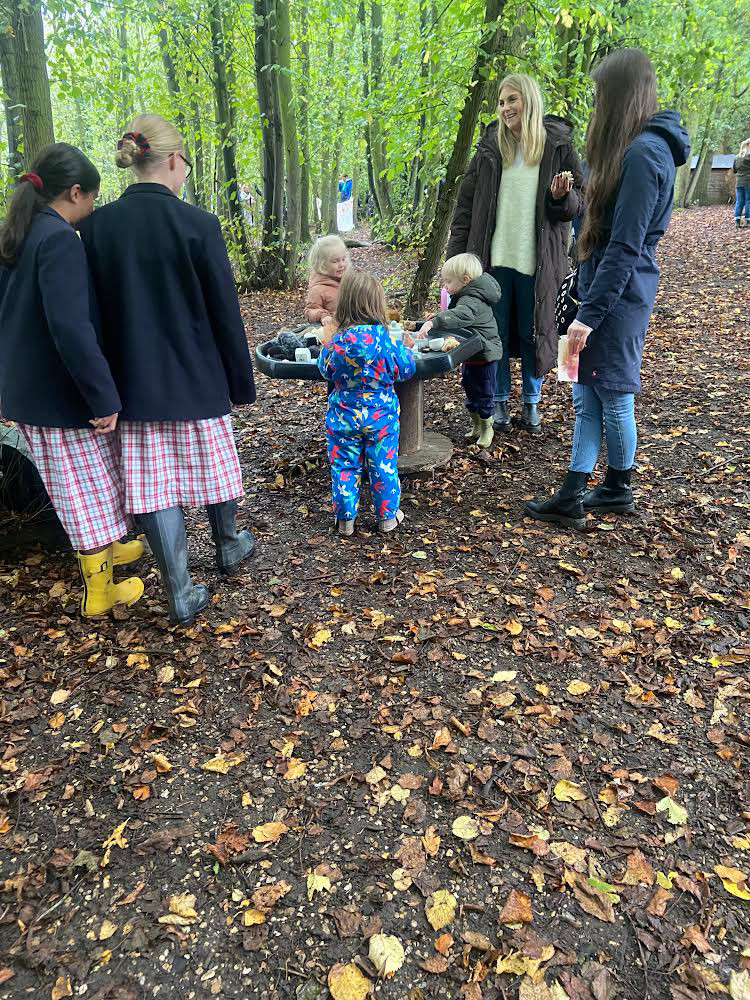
<point>362,423</point>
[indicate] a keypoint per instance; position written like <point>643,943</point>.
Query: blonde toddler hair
<point>462,265</point>
<point>323,249</point>
<point>361,300</point>
<point>533,135</point>
<point>147,142</point>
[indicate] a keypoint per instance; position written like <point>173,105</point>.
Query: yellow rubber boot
<point>476,430</point>
<point>127,552</point>
<point>488,432</point>
<point>100,594</point>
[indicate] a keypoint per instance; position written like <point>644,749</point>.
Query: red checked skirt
<point>186,463</point>
<point>96,481</point>
<point>81,472</point>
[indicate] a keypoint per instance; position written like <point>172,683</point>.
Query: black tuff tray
<point>429,364</point>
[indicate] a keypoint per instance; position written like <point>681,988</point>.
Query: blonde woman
<point>515,205</point>
<point>742,169</point>
<point>175,341</point>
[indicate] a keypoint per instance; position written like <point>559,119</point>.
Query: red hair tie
<point>139,139</point>
<point>33,179</point>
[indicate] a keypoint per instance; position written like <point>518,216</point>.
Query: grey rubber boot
<point>165,531</point>
<point>232,547</point>
<point>566,506</point>
<point>501,417</point>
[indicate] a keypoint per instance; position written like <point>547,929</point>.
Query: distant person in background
<point>345,188</point>
<point>742,169</point>
<point>174,337</point>
<point>246,200</point>
<point>55,381</point>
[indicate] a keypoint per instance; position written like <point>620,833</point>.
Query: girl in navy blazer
<point>175,341</point>
<point>55,381</point>
<point>632,153</point>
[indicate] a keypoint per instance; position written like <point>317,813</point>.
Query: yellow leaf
<point>107,930</point>
<point>62,988</point>
<point>569,791</point>
<point>375,776</point>
<point>578,687</point>
<point>57,589</point>
<point>321,637</point>
<point>386,954</point>
<point>269,833</point>
<point>676,814</point>
<point>431,841</point>
<point>741,843</point>
<point>513,627</point>
<point>573,856</point>
<point>317,883</point>
<point>739,985</point>
<point>503,676</point>
<point>295,769</point>
<point>401,879</point>
<point>115,839</point>
<point>400,794</point>
<point>465,828</point>
<point>59,696</point>
<point>734,881</point>
<point>672,625</point>
<point>440,909</point>
<point>161,763</point>
<point>221,764</point>
<point>183,905</point>
<point>346,982</point>
<point>251,917</point>
<point>57,720</point>
<point>139,660</point>
<point>665,881</point>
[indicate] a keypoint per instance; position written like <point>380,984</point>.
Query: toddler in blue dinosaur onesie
<point>362,422</point>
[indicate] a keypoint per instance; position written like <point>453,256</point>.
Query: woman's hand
<point>104,425</point>
<point>561,185</point>
<point>578,334</point>
<point>425,328</point>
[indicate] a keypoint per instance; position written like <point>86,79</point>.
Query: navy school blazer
<point>171,325</point>
<point>52,369</point>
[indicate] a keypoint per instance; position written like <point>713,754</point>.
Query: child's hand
<point>408,340</point>
<point>327,335</point>
<point>425,328</point>
<point>326,320</point>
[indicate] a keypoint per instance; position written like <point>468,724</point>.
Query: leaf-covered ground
<point>491,758</point>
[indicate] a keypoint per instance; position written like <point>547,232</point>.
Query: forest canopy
<point>284,97</point>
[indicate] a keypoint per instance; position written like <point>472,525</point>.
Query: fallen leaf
<point>183,905</point>
<point>161,763</point>
<point>268,895</point>
<point>252,917</point>
<point>57,720</point>
<point>517,909</point>
<point>115,839</point>
<point>504,676</point>
<point>346,982</point>
<point>578,687</point>
<point>593,900</point>
<point>269,833</point>
<point>444,943</point>
<point>386,954</point>
<point>295,769</point>
<point>221,764</point>
<point>657,905</point>
<point>465,828</point>
<point>317,883</point>
<point>431,841</point>
<point>734,881</point>
<point>6,973</point>
<point>436,964</point>
<point>637,871</point>
<point>59,696</point>
<point>62,988</point>
<point>676,814</point>
<point>739,985</point>
<point>440,909</point>
<point>107,930</point>
<point>569,791</point>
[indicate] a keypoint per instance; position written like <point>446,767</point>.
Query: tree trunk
<point>424,73</point>
<point>122,42</point>
<point>173,86</point>
<point>483,66</point>
<point>293,226</point>
<point>226,133</point>
<point>362,15</point>
<point>706,145</point>
<point>200,173</point>
<point>32,83</point>
<point>270,269</point>
<point>11,101</point>
<point>304,124</point>
<point>378,142</point>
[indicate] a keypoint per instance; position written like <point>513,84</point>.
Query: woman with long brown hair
<point>633,150</point>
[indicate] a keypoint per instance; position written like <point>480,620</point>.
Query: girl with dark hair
<point>174,336</point>
<point>632,152</point>
<point>54,380</point>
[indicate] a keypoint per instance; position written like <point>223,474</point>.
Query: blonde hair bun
<point>127,154</point>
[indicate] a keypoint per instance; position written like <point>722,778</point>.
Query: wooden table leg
<point>411,397</point>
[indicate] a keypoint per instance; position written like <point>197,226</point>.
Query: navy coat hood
<point>668,125</point>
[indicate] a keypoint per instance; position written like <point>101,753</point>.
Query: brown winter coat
<point>322,295</point>
<point>476,211</point>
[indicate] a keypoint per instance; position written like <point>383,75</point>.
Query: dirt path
<point>539,737</point>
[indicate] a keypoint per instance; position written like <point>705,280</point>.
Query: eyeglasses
<point>188,164</point>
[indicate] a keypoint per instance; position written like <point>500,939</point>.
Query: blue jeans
<point>603,410</point>
<point>743,201</point>
<point>516,305</point>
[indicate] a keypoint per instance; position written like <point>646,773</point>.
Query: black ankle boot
<point>530,420</point>
<point>165,532</point>
<point>613,496</point>
<point>232,547</point>
<point>566,506</point>
<point>501,417</point>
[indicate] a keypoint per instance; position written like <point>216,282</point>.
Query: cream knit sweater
<point>514,239</point>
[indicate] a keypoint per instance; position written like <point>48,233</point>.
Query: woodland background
<point>285,96</point>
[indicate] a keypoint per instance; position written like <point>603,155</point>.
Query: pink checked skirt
<point>186,463</point>
<point>81,472</point>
